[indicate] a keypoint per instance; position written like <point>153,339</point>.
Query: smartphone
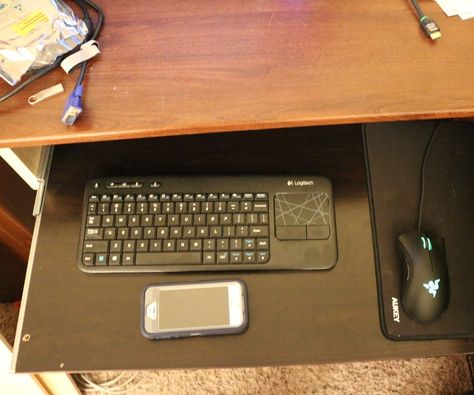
<point>194,309</point>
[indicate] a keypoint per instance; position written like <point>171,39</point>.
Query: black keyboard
<point>171,224</point>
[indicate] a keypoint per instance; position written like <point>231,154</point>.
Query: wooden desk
<point>209,66</point>
<point>188,67</point>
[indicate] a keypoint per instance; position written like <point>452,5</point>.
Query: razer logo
<point>432,287</point>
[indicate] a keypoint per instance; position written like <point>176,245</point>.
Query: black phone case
<point>190,333</point>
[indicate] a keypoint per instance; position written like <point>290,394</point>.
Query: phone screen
<point>191,308</point>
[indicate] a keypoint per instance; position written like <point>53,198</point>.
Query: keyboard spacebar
<point>168,258</point>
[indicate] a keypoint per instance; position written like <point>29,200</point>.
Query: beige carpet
<point>446,375</point>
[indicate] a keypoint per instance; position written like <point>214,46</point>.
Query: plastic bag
<point>33,33</point>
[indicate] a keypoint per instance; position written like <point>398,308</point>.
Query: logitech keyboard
<point>207,223</point>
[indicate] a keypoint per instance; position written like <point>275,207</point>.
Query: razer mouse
<point>425,283</point>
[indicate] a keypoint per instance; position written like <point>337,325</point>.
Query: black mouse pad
<point>394,153</point>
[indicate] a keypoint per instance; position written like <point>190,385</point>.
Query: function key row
<point>179,197</point>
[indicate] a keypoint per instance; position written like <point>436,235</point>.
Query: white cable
<point>109,387</point>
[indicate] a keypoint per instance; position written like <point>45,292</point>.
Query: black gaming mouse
<point>425,283</point>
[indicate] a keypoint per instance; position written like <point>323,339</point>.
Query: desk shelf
<point>81,322</point>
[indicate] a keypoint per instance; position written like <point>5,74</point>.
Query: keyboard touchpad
<point>302,216</point>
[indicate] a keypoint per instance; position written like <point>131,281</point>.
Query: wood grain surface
<point>182,67</point>
<point>80,322</point>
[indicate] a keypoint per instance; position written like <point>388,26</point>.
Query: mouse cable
<point>93,32</point>
<point>429,26</point>
<point>423,166</point>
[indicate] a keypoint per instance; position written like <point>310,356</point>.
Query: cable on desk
<point>429,26</point>
<point>111,386</point>
<point>422,176</point>
<point>74,102</point>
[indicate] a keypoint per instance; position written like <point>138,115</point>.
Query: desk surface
<point>192,66</point>
<point>89,322</point>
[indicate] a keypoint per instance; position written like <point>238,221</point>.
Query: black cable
<point>422,177</point>
<point>417,8</point>
<point>83,4</point>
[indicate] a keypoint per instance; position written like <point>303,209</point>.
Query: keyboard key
<point>261,196</point>
<point>251,219</point>
<point>222,245</point>
<point>129,246</point>
<point>212,197</point>
<point>233,207</point>
<point>189,232</point>
<point>236,257</point>
<point>202,232</point>
<point>110,233</point>
<point>128,259</point>
<point>123,233</point>
<point>136,233</point>
<point>215,231</point>
<point>92,208</point>
<point>93,220</point>
<point>194,207</point>
<point>220,207</point>
<point>142,208</point>
<point>129,208</point>
<point>96,246</point>
<point>154,208</point>
<point>188,197</point>
<point>224,197</point>
<point>182,245</point>
<point>129,197</point>
<point>155,246</point>
<point>238,219</point>
<point>248,196</point>
<point>209,258</point>
<point>108,220</point>
<point>195,245</point>
<point>228,231</point>
<point>149,232</point>
<point>209,245</point>
<point>168,208</point>
<point>249,244</point>
<point>222,258</point>
<point>236,244</point>
<point>162,232</point>
<point>246,206</point>
<point>115,259</point>
<point>249,257</point>
<point>140,198</point>
<point>259,231</point>
<point>116,208</point>
<point>263,244</point>
<point>173,220</point>
<point>88,259</point>
<point>169,245</point>
<point>142,246</point>
<point>176,232</point>
<point>212,219</point>
<point>94,199</point>
<point>260,207</point>
<point>200,197</point>
<point>147,220</point>
<point>121,220</point>
<point>263,218</point>
<point>207,207</point>
<point>263,256</point>
<point>101,259</point>
<point>165,197</point>
<point>186,220</point>
<point>106,198</point>
<point>242,231</point>
<point>172,258</point>
<point>200,219</point>
<point>176,197</point>
<point>236,196</point>
<point>181,208</point>
<point>225,219</point>
<point>160,220</point>
<point>103,208</point>
<point>94,234</point>
<point>116,246</point>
